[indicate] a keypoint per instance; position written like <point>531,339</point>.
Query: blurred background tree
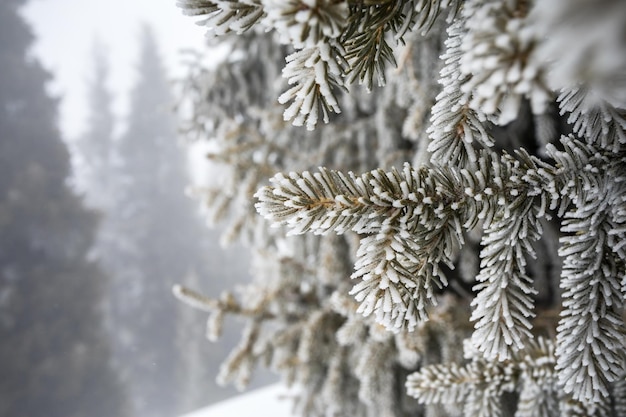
<point>55,354</point>
<point>151,237</point>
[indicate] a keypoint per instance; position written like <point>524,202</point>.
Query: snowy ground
<point>271,401</point>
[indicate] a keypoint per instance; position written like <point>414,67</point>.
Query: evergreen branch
<point>415,219</point>
<point>580,169</point>
<point>504,303</point>
<point>619,395</point>
<point>241,361</point>
<point>367,50</point>
<point>539,395</point>
<point>586,169</point>
<point>537,401</point>
<point>498,56</point>
<point>301,200</point>
<point>537,361</point>
<point>573,408</point>
<point>337,378</point>
<point>224,16</point>
<point>397,284</point>
<point>485,402</point>
<point>617,202</point>
<point>368,56</point>
<point>412,222</point>
<point>411,200</point>
<point>315,69</point>
<point>392,266</point>
<point>316,72</point>
<point>375,374</point>
<point>456,129</point>
<point>442,384</point>
<point>306,23</point>
<point>479,385</point>
<point>365,37</point>
<point>218,308</point>
<point>595,121</point>
<point>591,332</point>
<point>195,299</point>
<point>424,13</point>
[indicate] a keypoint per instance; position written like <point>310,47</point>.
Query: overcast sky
<point>66,30</point>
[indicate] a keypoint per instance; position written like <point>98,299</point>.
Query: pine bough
<point>335,42</point>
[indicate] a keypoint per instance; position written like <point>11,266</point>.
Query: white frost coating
<point>311,93</point>
<point>304,23</point>
<point>499,59</point>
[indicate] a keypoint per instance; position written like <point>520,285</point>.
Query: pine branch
<point>224,16</point>
<point>617,201</point>
<point>241,361</point>
<point>367,50</point>
<point>479,385</point>
<point>539,393</point>
<point>397,285</point>
<point>619,395</point>
<point>595,121</point>
<point>315,73</point>
<point>588,167</point>
<point>442,384</point>
<point>371,27</point>
<point>415,219</point>
<point>306,23</point>
<point>580,167</point>
<point>535,401</point>
<point>423,13</point>
<point>591,332</point>
<point>504,305</point>
<point>412,222</point>
<point>456,129</point>
<point>590,339</point>
<point>498,56</point>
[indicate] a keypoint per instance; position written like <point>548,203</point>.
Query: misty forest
<point>423,205</point>
<point>94,233</point>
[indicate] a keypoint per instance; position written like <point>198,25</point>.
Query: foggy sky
<point>66,30</point>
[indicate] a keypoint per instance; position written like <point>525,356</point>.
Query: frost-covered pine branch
<point>333,40</point>
<point>316,76</point>
<point>480,385</point>
<point>415,219</point>
<point>499,59</point>
<point>224,16</point>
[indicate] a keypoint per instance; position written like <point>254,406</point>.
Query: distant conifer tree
<point>54,351</point>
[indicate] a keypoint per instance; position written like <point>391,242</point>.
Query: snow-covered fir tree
<point>461,250</point>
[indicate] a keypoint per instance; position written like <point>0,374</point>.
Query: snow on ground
<point>271,401</point>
